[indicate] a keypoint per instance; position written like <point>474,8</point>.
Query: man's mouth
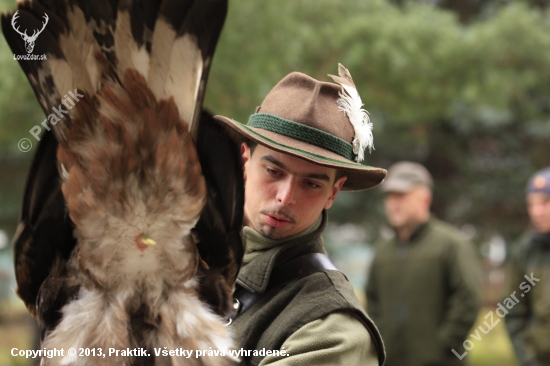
<point>277,221</point>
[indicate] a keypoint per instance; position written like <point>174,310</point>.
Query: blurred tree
<point>19,111</point>
<point>467,100</point>
<point>470,10</point>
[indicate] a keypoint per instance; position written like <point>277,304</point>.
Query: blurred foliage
<point>468,100</point>
<point>19,108</point>
<point>19,111</point>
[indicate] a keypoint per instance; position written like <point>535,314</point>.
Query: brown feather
<point>129,169</point>
<point>344,76</point>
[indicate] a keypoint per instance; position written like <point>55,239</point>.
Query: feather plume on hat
<point>350,103</point>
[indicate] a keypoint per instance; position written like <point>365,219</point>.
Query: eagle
<point>129,233</point>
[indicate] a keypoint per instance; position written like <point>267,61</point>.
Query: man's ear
<point>429,199</point>
<point>426,198</point>
<point>245,157</point>
<point>335,189</point>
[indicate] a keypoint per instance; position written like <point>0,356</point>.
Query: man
<point>298,150</point>
<point>528,321</point>
<point>423,290</point>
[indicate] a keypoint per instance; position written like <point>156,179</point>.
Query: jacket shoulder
<point>332,293</point>
<point>448,232</point>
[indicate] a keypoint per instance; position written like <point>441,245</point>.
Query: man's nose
<point>286,195</point>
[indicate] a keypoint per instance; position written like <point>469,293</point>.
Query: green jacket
<point>528,321</point>
<point>317,320</point>
<point>424,295</point>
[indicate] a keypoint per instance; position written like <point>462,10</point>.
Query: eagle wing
<point>91,46</point>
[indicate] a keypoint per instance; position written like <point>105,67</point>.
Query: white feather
<point>186,67</point>
<point>350,103</point>
<point>130,55</point>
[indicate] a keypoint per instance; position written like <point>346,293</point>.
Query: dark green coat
<point>424,295</point>
<point>282,311</point>
<point>528,321</point>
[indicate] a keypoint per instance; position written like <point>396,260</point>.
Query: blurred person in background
<point>424,286</point>
<point>528,321</point>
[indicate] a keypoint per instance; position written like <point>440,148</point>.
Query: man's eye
<point>312,184</point>
<point>272,171</point>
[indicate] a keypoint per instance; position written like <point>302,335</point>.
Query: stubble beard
<point>269,231</point>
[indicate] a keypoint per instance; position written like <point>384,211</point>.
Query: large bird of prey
<point>129,230</point>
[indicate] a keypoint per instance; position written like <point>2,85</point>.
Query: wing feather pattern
<point>44,233</point>
<point>90,46</point>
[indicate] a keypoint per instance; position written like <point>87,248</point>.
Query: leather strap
<point>292,270</point>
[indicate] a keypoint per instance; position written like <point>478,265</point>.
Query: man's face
<point>284,194</point>
<point>405,209</point>
<point>538,206</point>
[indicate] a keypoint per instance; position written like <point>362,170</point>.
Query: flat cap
<point>404,176</point>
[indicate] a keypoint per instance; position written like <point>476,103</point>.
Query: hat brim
<point>359,176</point>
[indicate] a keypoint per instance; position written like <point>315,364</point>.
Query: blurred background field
<point>17,330</point>
<point>461,86</point>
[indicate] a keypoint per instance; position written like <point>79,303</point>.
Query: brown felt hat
<point>300,117</point>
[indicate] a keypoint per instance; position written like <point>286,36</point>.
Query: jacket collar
<point>541,240</point>
<point>420,229</point>
<point>263,254</point>
<point>417,233</point>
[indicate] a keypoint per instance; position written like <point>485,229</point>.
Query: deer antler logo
<point>29,40</point>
